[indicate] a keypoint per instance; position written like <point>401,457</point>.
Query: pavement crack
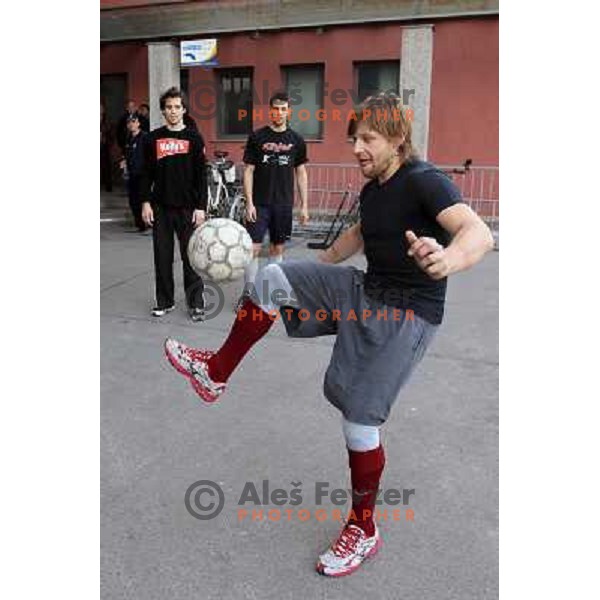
<point>124,281</point>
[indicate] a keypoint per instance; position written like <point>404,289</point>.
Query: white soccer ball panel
<point>217,252</point>
<point>200,260</point>
<point>229,234</point>
<point>207,232</point>
<point>219,271</point>
<point>218,222</point>
<point>246,241</point>
<point>220,249</point>
<point>197,253</point>
<point>239,257</point>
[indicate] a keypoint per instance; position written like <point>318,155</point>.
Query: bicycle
<point>225,192</point>
<point>347,213</point>
<point>345,216</point>
<point>462,170</point>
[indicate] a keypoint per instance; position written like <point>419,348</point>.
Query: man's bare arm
<point>248,191</point>
<point>471,240</point>
<point>302,183</point>
<point>248,183</point>
<point>348,244</point>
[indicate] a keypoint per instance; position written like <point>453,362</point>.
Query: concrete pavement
<point>273,423</point>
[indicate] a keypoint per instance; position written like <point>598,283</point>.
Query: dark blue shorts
<point>276,219</point>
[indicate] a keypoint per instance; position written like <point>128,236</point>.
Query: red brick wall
<point>464,103</point>
<point>131,59</point>
<point>464,92</point>
<point>335,49</point>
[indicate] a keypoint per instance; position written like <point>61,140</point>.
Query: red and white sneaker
<point>191,363</point>
<point>348,552</point>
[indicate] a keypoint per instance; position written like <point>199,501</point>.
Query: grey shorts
<point>373,355</point>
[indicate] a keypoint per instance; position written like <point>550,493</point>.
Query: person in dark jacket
<point>174,195</point>
<point>133,164</point>
<point>144,113</point>
<point>106,141</point>
<point>130,109</point>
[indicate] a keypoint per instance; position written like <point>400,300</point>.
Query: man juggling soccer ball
<point>415,231</point>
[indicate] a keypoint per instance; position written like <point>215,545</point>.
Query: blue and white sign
<point>199,53</point>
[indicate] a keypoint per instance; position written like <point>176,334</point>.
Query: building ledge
<point>180,20</point>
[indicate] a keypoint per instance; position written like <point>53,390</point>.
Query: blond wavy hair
<point>385,114</point>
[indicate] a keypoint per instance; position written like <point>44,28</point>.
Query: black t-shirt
<point>409,199</point>
<point>274,155</point>
<point>174,170</point>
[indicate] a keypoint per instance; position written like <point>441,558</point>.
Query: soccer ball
<point>220,249</point>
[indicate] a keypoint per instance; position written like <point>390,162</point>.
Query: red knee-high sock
<point>365,471</point>
<point>251,324</point>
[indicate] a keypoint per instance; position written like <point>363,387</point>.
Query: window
<point>377,76</point>
<point>305,87</point>
<point>235,95</point>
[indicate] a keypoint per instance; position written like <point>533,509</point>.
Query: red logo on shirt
<point>171,146</point>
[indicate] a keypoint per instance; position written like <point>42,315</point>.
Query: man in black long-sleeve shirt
<point>174,191</point>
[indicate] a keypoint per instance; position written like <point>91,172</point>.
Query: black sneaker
<point>197,314</point>
<point>161,312</point>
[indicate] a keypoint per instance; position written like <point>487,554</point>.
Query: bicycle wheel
<point>237,210</point>
<point>212,202</point>
<point>223,202</point>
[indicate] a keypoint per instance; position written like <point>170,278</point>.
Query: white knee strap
<point>269,279</point>
<point>360,438</point>
<point>250,271</point>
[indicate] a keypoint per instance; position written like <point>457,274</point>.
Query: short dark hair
<point>145,105</point>
<point>279,97</point>
<point>172,92</point>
